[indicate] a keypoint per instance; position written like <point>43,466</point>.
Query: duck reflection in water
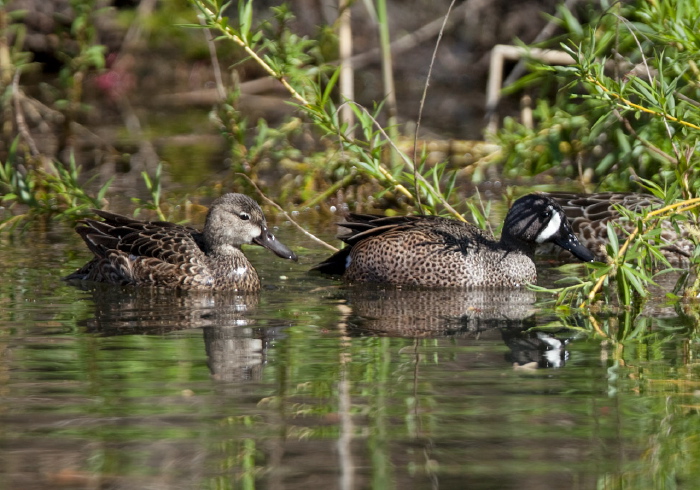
<point>235,348</point>
<point>471,315</point>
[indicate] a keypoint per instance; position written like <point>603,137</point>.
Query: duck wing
<point>364,226</point>
<point>162,240</point>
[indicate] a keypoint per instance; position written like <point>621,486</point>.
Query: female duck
<point>438,252</point>
<point>589,215</point>
<point>159,253</point>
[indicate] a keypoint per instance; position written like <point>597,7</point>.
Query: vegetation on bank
<point>626,116</point>
<point>623,115</point>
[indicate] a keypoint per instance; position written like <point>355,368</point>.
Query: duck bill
<point>568,241</point>
<point>270,242</point>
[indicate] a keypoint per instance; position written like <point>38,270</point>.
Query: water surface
<point>310,384</point>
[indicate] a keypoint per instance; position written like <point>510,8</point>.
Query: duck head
<point>536,219</point>
<point>236,219</point>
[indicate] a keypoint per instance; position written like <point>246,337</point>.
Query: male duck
<point>589,215</point>
<point>158,253</point>
<point>439,252</point>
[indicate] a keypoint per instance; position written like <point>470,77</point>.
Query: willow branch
<point>676,208</point>
<point>213,18</point>
<point>286,215</point>
<point>625,103</point>
<point>410,165</point>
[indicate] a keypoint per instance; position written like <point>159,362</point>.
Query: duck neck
<point>218,242</point>
<point>511,242</point>
<point>224,250</point>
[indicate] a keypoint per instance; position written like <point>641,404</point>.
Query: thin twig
<point>422,104</point>
<point>643,141</point>
<point>596,326</point>
<point>226,31</point>
<point>214,59</point>
<point>385,173</point>
<point>286,215</point>
<point>19,117</point>
<point>627,104</point>
<point>546,32</point>
<point>651,79</point>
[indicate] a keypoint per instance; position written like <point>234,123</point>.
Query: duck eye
<point>244,216</point>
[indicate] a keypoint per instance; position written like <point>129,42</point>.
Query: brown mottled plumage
<point>159,253</point>
<point>438,252</point>
<point>589,215</point>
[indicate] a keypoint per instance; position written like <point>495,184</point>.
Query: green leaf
<point>328,90</point>
<point>612,238</point>
<point>637,279</point>
<point>245,18</point>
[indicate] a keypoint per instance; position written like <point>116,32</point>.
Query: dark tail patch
<point>335,264</point>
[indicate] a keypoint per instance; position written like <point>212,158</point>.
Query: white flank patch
<point>551,229</point>
<point>348,260</point>
<point>241,270</point>
<point>553,358</point>
<point>552,342</point>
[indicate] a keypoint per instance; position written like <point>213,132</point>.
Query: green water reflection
<point>311,384</point>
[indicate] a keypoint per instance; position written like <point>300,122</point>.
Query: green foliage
<point>625,109</point>
<point>40,187</point>
<point>634,265</point>
<point>51,191</point>
<point>88,55</point>
<point>625,112</point>
<point>154,186</point>
<point>287,58</point>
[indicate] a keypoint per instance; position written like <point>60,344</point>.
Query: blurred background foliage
<point>122,86</point>
<point>628,108</point>
<point>117,90</point>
